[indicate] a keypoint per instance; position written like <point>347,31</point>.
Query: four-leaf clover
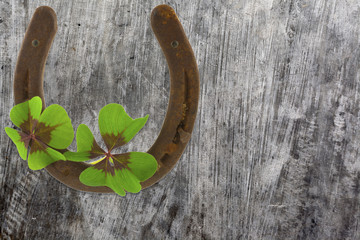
<point>119,172</point>
<point>41,132</point>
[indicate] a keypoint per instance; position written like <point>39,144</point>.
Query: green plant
<point>116,171</point>
<point>41,132</point>
<point>53,129</point>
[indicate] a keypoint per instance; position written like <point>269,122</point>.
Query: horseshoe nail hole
<point>35,43</point>
<point>174,44</point>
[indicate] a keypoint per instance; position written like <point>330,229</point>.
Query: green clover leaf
<point>41,132</point>
<point>120,172</point>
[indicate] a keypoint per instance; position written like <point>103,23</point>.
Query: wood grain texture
<point>275,149</point>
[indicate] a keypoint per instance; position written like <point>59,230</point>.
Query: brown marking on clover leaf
<point>43,132</point>
<point>37,146</point>
<point>29,125</point>
<point>112,141</point>
<point>96,150</point>
<point>25,138</point>
<point>120,161</point>
<point>105,166</point>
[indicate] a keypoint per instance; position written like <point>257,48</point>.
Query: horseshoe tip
<point>45,16</point>
<point>163,7</point>
<point>45,10</point>
<point>163,13</point>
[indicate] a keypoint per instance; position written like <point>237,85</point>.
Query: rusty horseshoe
<point>184,89</point>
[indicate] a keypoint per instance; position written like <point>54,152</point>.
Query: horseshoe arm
<point>184,89</point>
<point>28,80</point>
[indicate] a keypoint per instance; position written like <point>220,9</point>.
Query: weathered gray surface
<point>275,150</point>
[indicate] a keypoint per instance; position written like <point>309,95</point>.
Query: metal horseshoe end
<point>184,89</point>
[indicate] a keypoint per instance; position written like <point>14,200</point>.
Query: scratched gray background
<point>275,149</point>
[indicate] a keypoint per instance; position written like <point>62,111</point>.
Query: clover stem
<point>29,137</point>
<point>109,157</point>
<point>32,136</point>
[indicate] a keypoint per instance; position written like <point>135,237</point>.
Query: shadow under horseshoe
<point>184,90</point>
